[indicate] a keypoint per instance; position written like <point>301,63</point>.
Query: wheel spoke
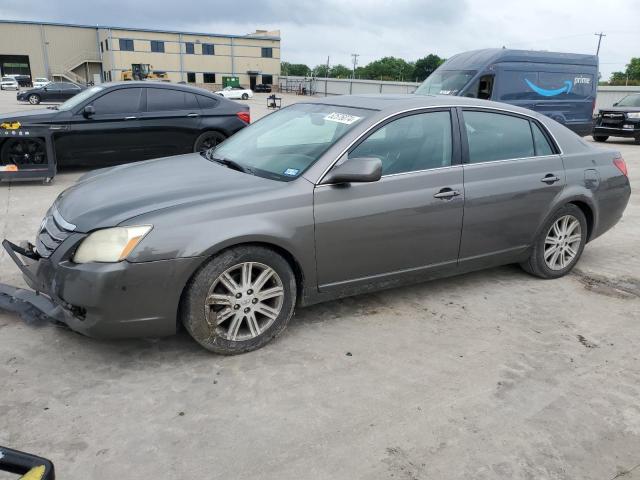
<point>253,324</point>
<point>574,238</point>
<point>234,326</point>
<point>223,315</point>
<point>571,251</point>
<point>262,279</point>
<point>551,241</point>
<point>270,293</point>
<point>549,251</point>
<point>554,258</point>
<point>229,283</point>
<point>219,299</point>
<point>246,275</point>
<point>266,310</point>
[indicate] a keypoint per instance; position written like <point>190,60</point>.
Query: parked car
<point>23,80</point>
<point>622,120</point>
<point>562,86</point>
<point>9,83</point>
<point>263,87</point>
<point>41,82</point>
<point>122,122</point>
<point>51,92</point>
<point>236,93</point>
<point>320,200</point>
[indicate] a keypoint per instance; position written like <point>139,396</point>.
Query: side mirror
<point>89,111</point>
<point>356,170</point>
<point>615,104</point>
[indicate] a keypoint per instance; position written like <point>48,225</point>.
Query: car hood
<point>620,109</point>
<point>110,196</point>
<point>31,117</point>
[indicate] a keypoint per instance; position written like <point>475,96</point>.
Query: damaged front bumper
<point>101,300</point>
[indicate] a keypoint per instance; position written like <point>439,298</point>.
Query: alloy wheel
<point>34,99</point>
<point>244,301</point>
<point>24,151</point>
<point>562,243</point>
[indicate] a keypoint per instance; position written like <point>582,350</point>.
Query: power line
<point>599,35</point>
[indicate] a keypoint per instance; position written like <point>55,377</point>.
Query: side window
<point>206,102</point>
<point>541,143</point>
<point>411,143</point>
<point>162,99</point>
<point>494,136</point>
<point>517,85</point>
<point>191,77</point>
<point>126,100</point>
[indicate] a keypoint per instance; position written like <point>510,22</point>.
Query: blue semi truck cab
<point>562,86</point>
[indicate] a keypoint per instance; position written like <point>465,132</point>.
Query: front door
<point>405,223</point>
<point>252,82</point>
<point>512,176</point>
<point>110,136</point>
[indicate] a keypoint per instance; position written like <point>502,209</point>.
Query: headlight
<point>633,115</point>
<point>111,244</point>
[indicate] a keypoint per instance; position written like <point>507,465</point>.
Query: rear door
<point>110,136</point>
<point>171,122</point>
<point>512,174</point>
<point>68,90</point>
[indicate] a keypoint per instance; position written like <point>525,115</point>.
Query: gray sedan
<point>320,200</point>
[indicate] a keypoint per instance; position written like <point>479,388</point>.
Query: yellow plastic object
<point>36,473</point>
<point>10,125</point>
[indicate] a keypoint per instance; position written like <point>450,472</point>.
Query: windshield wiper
<point>229,163</point>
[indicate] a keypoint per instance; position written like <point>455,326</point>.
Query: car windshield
<point>630,101</point>
<point>445,82</point>
<point>281,146</point>
<point>7,79</point>
<point>79,98</point>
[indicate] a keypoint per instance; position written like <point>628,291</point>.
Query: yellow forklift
<point>144,71</point>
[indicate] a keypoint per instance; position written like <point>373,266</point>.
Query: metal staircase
<point>66,70</point>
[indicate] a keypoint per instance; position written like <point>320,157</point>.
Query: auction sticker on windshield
<point>342,118</point>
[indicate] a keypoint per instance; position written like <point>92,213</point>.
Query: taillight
<point>621,165</point>
<point>244,116</point>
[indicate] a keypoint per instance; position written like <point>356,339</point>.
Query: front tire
<point>207,141</point>
<point>34,99</point>
<point>559,244</point>
<point>239,300</point>
<point>600,138</point>
<point>245,96</point>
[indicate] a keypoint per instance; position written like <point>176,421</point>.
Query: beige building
<point>83,53</point>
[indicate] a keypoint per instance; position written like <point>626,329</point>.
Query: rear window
<point>494,136</point>
<point>206,102</point>
<point>161,99</point>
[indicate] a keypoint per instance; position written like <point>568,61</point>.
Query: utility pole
<point>354,56</point>
<point>599,35</point>
<point>326,77</point>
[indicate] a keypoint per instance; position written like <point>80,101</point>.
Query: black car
<point>262,87</point>
<point>51,92</point>
<point>621,120</point>
<point>122,122</point>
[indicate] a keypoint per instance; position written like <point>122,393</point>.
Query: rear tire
<point>208,140</point>
<point>600,138</point>
<point>34,99</point>
<point>221,310</point>
<point>559,244</point>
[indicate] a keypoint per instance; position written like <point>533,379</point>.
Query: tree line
<point>387,68</point>
<point>630,76</point>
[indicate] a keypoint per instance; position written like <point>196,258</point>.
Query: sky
<point>410,29</point>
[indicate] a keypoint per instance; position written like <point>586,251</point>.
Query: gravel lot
<point>489,375</point>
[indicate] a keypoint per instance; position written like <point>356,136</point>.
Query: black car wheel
<point>34,99</point>
<point>559,244</point>
<point>207,141</point>
<point>245,96</point>
<point>23,151</point>
<point>600,138</point>
<point>240,300</point>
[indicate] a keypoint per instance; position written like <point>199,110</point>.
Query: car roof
<point>153,84</point>
<point>397,103</point>
<point>476,59</point>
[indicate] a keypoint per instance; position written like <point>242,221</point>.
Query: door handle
<point>446,194</point>
<point>550,179</point>
<point>193,115</point>
<point>130,118</point>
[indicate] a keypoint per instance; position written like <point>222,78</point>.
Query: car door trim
<point>455,112</point>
